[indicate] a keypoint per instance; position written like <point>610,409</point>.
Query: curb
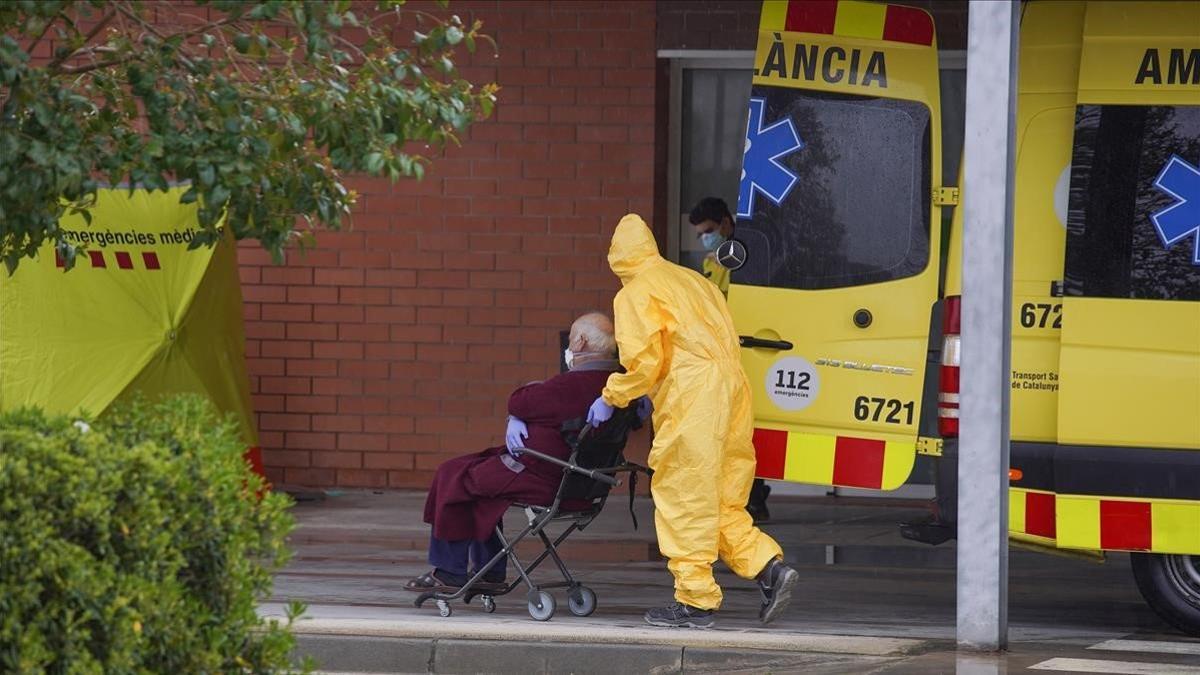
<point>373,642</point>
<point>363,654</point>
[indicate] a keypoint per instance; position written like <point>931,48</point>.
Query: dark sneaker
<point>678,615</point>
<point>776,582</point>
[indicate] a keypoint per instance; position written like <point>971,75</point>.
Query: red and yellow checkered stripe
<point>1107,523</point>
<point>848,18</point>
<point>1031,512</point>
<point>844,461</point>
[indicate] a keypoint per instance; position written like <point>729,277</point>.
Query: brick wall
<point>733,24</point>
<point>395,345</point>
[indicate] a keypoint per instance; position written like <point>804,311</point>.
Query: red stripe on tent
<point>1039,514</point>
<point>253,456</point>
<point>97,259</point>
<point>811,16</point>
<point>771,447</point>
<point>124,261</point>
<point>150,258</point>
<point>858,462</point>
<point>1125,525</point>
<point>907,24</point>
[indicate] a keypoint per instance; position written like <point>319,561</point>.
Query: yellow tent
<point>138,313</point>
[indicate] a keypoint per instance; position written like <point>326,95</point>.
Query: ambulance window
<point>1124,239</point>
<point>858,212</point>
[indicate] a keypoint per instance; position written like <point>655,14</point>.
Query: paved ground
<point>868,601</point>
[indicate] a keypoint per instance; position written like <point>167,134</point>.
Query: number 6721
<point>871,408</point>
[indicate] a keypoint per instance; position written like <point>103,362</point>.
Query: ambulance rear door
<point>837,239</point>
<point>1127,467</point>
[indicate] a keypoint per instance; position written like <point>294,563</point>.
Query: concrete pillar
<point>989,156</point>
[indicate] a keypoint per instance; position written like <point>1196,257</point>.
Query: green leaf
<point>218,196</point>
<point>266,139</point>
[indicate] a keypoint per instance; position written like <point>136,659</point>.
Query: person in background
<point>713,223</point>
<point>677,344</point>
<point>470,494</point>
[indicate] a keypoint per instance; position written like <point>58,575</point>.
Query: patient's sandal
<point>430,582</point>
<point>490,582</point>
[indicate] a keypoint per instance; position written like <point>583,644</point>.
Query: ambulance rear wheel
<point>1171,586</point>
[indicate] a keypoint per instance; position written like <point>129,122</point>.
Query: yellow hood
<point>633,248</point>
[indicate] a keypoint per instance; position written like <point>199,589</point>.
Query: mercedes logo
<point>731,254</point>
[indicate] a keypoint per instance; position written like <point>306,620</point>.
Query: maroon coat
<point>469,494</point>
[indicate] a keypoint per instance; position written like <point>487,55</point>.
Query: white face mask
<point>711,241</point>
<point>568,357</point>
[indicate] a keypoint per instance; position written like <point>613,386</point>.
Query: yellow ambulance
<point>839,264</point>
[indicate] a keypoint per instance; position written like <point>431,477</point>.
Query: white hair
<point>596,328</point>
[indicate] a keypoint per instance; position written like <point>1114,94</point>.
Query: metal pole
<point>989,156</point>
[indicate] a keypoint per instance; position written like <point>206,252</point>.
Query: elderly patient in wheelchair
<point>470,494</point>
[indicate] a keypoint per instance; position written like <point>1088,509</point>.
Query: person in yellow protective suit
<point>677,343</point>
<point>713,223</point>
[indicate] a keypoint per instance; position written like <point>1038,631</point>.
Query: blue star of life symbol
<point>1181,220</point>
<point>761,169</point>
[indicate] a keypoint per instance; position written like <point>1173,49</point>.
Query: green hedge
<point>138,545</point>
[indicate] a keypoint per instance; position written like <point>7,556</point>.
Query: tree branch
<point>227,20</point>
<point>56,64</point>
<point>78,70</point>
<point>45,29</point>
<point>187,63</point>
<point>142,22</point>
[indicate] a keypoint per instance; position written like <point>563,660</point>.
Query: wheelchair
<point>589,474</point>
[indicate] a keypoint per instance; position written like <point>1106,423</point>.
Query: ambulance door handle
<point>747,341</point>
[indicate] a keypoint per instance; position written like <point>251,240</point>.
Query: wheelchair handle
<point>594,475</point>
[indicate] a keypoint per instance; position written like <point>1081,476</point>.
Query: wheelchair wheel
<point>444,608</point>
<point>543,608</point>
<point>581,601</point>
<point>489,604</point>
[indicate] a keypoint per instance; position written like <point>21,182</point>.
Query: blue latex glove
<point>599,413</point>
<point>644,407</point>
<point>515,435</point>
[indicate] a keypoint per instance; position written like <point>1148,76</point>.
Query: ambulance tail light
<point>951,360</point>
